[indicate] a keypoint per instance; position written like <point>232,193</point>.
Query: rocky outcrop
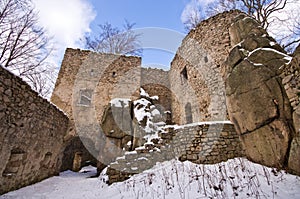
<point>31,134</point>
<point>291,82</point>
<point>117,127</point>
<point>256,99</point>
<point>127,125</point>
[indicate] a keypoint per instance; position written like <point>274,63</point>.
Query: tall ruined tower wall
<point>196,71</point>
<point>89,80</point>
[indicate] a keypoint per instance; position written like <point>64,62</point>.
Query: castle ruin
<point>206,83</point>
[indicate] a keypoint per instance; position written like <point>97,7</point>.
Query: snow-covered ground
<point>236,178</point>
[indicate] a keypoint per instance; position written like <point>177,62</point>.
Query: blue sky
<point>67,21</point>
<point>145,13</point>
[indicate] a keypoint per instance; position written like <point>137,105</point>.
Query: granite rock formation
<point>256,99</point>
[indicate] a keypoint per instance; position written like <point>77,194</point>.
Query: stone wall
<point>90,80</point>
<point>203,143</point>
<point>156,83</point>
<point>75,146</point>
<point>197,69</point>
<point>86,84</point>
<point>32,132</point>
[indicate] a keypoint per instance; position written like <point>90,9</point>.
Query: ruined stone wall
<point>32,132</point>
<point>156,83</point>
<point>196,71</point>
<point>89,80</point>
<point>86,84</point>
<point>203,143</point>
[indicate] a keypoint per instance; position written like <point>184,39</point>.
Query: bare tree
<point>193,19</point>
<point>261,10</point>
<point>115,40</point>
<point>197,14</point>
<point>264,11</point>
<point>219,6</point>
<point>23,44</point>
<point>286,28</point>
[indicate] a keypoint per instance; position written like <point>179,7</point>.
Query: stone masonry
<point>31,134</point>
<point>86,84</point>
<point>209,73</point>
<point>203,143</point>
<point>197,69</point>
<point>198,87</point>
<point>156,83</point>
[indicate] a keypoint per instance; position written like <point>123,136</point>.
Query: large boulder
<point>117,128</point>
<point>256,99</point>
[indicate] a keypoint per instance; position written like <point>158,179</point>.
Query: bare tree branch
<point>115,40</point>
<point>264,11</point>
<point>23,44</point>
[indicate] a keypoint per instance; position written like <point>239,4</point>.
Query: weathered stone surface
<point>117,121</point>
<point>197,69</point>
<point>73,146</point>
<point>291,82</point>
<point>271,58</point>
<point>31,135</point>
<point>243,27</point>
<point>294,156</point>
<point>87,82</point>
<point>202,143</point>
<point>256,99</point>
<point>156,83</point>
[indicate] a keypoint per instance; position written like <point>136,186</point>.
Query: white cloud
<point>65,20</point>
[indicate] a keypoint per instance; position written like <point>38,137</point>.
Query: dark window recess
<point>183,74</point>
<point>85,97</point>
<point>188,113</point>
<point>16,159</point>
<point>205,59</point>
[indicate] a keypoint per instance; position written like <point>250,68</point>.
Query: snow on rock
<point>130,152</point>
<point>120,158</point>
<point>143,93</point>
<point>155,112</point>
<point>272,43</point>
<point>129,143</point>
<point>148,115</point>
<point>154,97</point>
<point>118,102</point>
<point>286,57</point>
<point>236,178</point>
<point>141,110</point>
<point>197,124</point>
